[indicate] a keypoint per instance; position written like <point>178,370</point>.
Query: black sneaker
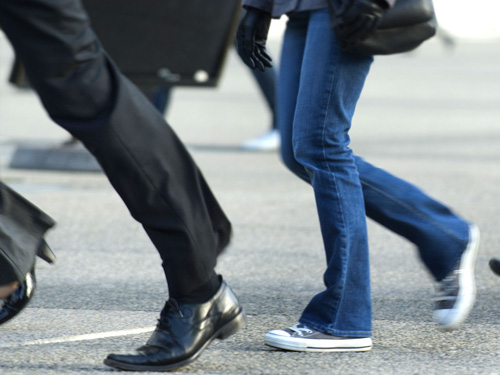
<point>457,291</point>
<point>304,339</point>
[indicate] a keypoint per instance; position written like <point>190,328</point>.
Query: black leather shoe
<point>495,266</point>
<point>18,299</point>
<point>183,332</point>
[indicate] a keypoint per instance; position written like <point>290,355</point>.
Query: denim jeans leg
<point>439,234</point>
<point>330,83</point>
<point>288,88</point>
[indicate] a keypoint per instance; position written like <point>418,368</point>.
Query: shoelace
<point>447,288</point>
<point>300,329</point>
<point>171,307</point>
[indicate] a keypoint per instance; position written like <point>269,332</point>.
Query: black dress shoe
<point>183,332</point>
<point>18,299</point>
<point>495,266</point>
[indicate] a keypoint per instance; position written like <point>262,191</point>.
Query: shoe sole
<point>455,317</point>
<point>303,345</point>
<point>229,329</point>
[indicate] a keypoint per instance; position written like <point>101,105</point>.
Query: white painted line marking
<point>90,336</point>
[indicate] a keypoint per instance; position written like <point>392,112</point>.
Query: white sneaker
<point>457,291</point>
<point>269,141</point>
<point>304,339</point>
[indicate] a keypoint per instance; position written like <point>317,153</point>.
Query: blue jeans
<point>318,88</point>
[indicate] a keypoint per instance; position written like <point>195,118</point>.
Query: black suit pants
<point>84,92</point>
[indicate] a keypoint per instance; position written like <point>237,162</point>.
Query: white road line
<point>90,336</point>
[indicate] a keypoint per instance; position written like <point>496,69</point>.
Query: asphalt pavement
<point>431,117</point>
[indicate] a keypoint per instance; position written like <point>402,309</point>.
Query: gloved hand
<point>251,38</point>
<point>360,19</point>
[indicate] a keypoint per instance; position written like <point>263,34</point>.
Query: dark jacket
<point>277,8</point>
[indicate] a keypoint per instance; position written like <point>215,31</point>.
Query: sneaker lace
<point>300,329</point>
<point>447,288</point>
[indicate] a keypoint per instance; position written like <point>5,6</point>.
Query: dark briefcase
<point>166,42</point>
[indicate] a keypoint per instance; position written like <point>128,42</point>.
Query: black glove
<point>251,38</point>
<point>360,20</point>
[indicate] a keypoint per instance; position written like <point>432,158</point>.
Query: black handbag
<point>403,28</point>
<point>22,228</point>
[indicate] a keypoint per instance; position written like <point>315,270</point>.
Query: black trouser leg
<point>140,154</point>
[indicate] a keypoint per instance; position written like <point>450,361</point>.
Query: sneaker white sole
<point>357,344</point>
<point>449,319</point>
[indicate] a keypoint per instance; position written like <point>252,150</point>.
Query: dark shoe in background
<point>183,332</point>
<point>19,299</point>
<point>495,266</point>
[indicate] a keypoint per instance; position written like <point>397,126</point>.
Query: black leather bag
<point>22,228</point>
<point>403,28</point>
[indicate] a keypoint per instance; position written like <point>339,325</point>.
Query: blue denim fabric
<point>438,233</point>
<point>318,88</point>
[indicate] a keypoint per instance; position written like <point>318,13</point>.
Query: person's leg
<point>442,238</point>
<point>329,84</point>
<point>84,93</point>
<point>267,85</point>
<point>294,42</point>
<point>161,99</point>
<point>147,165</point>
<point>270,140</point>
<point>439,234</point>
<point>447,244</point>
